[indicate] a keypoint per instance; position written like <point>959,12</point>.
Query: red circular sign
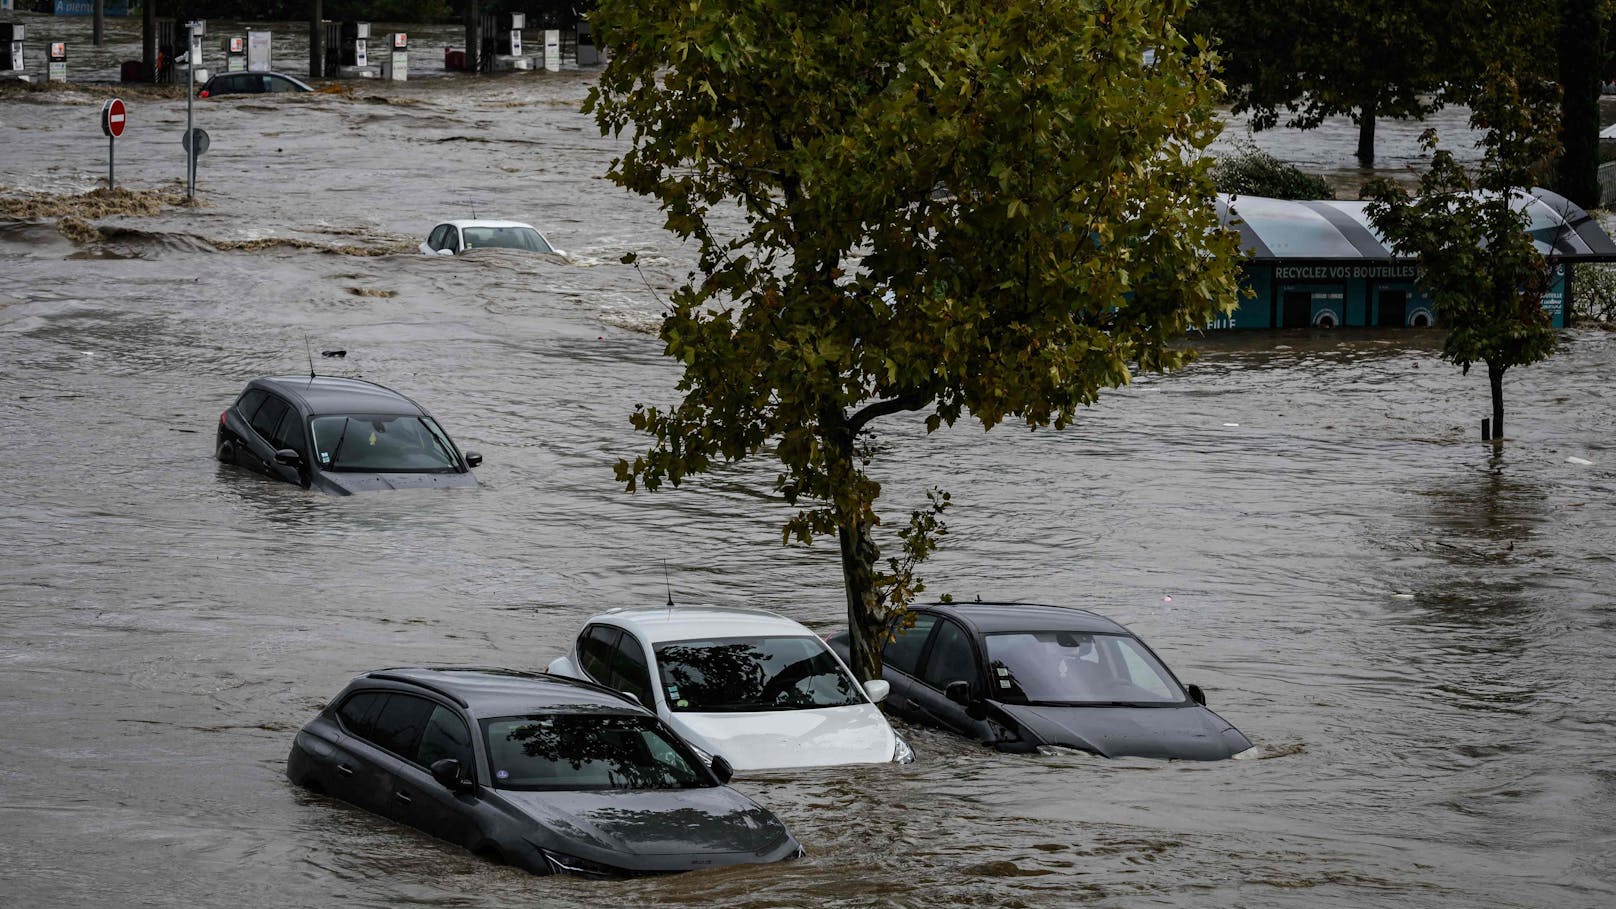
<point>112,118</point>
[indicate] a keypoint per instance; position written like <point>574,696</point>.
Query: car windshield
<point>505,238</point>
<point>747,674</point>
<point>392,443</point>
<point>1066,667</point>
<point>587,751</point>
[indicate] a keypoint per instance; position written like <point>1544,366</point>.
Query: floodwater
<point>1417,631</point>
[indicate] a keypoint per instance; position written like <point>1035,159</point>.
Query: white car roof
<point>653,624</point>
<point>484,223</point>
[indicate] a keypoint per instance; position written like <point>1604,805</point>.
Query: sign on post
<point>113,118</point>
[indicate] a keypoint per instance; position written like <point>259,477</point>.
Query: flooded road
<point>1418,633</point>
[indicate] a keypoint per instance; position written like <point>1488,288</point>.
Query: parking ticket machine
<point>355,37</point>
<point>11,36</point>
<point>396,65</point>
<point>56,70</point>
<point>510,40</point>
<point>235,54</point>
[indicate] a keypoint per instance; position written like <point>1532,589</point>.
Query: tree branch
<point>913,400</point>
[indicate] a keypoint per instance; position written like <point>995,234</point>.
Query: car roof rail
<point>395,677</point>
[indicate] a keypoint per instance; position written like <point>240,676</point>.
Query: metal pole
<point>190,134</point>
<point>100,14</point>
<point>148,39</point>
<point>111,145</point>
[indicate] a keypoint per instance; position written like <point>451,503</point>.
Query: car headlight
<point>562,863</point>
<point>901,752</point>
<point>1250,754</point>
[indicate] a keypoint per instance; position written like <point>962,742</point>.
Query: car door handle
<point>345,770</point>
<point>403,798</point>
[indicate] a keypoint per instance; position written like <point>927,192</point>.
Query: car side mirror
<point>958,692</point>
<point>446,251</point>
<point>447,772</point>
<point>473,459</point>
<point>1197,695</point>
<point>877,689</point>
<point>722,771</point>
<point>289,458</point>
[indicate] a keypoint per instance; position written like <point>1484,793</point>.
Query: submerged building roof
<point>1273,230</point>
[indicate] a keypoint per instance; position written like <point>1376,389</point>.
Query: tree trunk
<point>148,40</point>
<point>864,627</point>
<point>1495,379</point>
<point>316,40</point>
<point>1366,136</point>
<point>1582,44</point>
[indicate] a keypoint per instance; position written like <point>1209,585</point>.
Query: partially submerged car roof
<point>487,692</point>
<point>989,618</point>
<point>482,222</point>
<point>684,623</point>
<point>335,395</point>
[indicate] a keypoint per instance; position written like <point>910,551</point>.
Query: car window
<point>268,417</point>
<point>951,658</point>
<point>289,434</point>
<point>243,84</point>
<point>1068,667</point>
<point>904,652</point>
<point>358,713</point>
<point>279,84</point>
<point>445,736</point>
<point>587,751</point>
<point>249,402</point>
<point>525,238</point>
<point>439,234</point>
<point>394,443</point>
<point>399,724</point>
<point>629,670</point>
<point>789,672</point>
<point>595,652</point>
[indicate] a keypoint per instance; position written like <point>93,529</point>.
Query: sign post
<point>194,30</point>
<point>113,116</point>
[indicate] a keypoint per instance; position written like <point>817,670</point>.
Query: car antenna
<point>309,349</point>
<point>669,585</point>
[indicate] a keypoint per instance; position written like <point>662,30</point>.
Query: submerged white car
<point>755,687</point>
<point>454,237</point>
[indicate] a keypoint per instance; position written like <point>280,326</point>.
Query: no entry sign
<point>112,118</point>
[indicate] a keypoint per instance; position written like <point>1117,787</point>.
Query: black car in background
<point>546,773</point>
<point>339,436</point>
<point>250,84</point>
<point>1018,675</point>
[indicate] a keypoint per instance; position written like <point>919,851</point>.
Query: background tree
<point>1581,51</point>
<point>952,207</point>
<point>1476,259</point>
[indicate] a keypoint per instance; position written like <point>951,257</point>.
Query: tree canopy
<point>982,208</point>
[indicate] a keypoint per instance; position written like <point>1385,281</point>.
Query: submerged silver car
<point>549,774</point>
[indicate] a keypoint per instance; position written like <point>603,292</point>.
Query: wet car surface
<point>547,774</point>
<point>339,436</point>
<point>1019,676</point>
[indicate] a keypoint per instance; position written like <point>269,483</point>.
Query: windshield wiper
<point>337,449</point>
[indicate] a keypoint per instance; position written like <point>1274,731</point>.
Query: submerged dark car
<point>251,84</point>
<point>339,436</point>
<point>1017,676</point>
<point>546,773</point>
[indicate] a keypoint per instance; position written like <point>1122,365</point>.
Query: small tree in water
<point>992,207</point>
<point>1468,233</point>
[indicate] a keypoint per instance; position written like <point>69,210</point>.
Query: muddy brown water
<point>1416,631</point>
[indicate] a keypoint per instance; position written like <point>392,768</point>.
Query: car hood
<point>767,740</point>
<point>1190,733</point>
<point>612,826</point>
<point>348,483</point>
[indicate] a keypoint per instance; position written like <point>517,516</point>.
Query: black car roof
<point>505,692</point>
<point>335,395</point>
<point>988,618</point>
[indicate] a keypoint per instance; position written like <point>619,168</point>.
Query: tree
<point>1468,234</point>
<point>1581,51</point>
<point>982,207</point>
<point>1313,59</point>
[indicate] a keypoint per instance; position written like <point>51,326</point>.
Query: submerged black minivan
<point>339,436</point>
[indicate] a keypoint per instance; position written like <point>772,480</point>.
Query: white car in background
<point>755,687</point>
<point>455,237</point>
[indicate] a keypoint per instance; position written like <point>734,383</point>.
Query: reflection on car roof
<point>996,617</point>
<point>504,692</point>
<point>684,623</point>
<point>335,395</point>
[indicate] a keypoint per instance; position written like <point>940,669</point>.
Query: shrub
<point>1250,171</point>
